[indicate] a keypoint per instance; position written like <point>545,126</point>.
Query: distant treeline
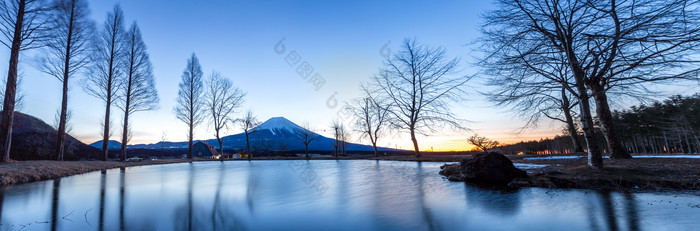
<point>669,126</point>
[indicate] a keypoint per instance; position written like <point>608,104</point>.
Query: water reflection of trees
<point>609,211</point>
<point>427,213</point>
<point>219,216</point>
<point>54,203</point>
<point>2,200</point>
<point>496,200</point>
<point>103,186</point>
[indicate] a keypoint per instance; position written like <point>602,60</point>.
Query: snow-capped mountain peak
<point>279,124</point>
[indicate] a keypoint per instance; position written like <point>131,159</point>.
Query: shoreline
<point>633,175</point>
<point>23,172</point>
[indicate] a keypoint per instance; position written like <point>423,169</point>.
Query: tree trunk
<point>306,150</point>
<point>8,112</point>
<point>61,136</point>
<point>595,157</point>
<point>668,148</point>
<point>127,110</point>
<point>247,144</point>
<point>105,135</point>
<point>221,148</point>
<point>572,131</point>
<point>376,153</point>
<point>603,110</point>
<point>189,146</point>
<point>415,142</point>
<point>570,122</point>
<point>125,132</point>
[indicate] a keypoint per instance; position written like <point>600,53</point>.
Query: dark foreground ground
<point>640,174</point>
<point>637,175</point>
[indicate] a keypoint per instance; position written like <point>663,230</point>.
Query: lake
<point>323,195</point>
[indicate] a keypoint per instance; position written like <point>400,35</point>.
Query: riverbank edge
<point>23,172</point>
<point>673,175</point>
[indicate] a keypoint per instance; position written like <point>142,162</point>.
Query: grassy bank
<point>20,172</point>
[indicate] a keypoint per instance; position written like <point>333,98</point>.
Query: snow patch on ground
<point>605,157</point>
<point>552,157</point>
<point>674,156</point>
<point>529,166</point>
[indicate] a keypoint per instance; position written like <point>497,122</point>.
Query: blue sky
<point>340,40</point>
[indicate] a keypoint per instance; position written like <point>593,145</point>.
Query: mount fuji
<point>275,134</point>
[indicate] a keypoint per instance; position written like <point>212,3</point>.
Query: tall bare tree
<point>305,135</point>
<point>106,69</point>
<point>421,82</point>
<point>607,44</point>
<point>139,89</point>
<point>190,99</point>
<point>372,118</point>
<point>68,48</point>
<point>222,99</point>
<point>21,23</point>
<point>248,123</point>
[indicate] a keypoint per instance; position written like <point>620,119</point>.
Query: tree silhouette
<point>372,117</point>
<point>68,48</point>
<point>607,45</point>
<point>190,99</point>
<point>483,143</point>
<point>248,123</point>
<point>22,24</point>
<point>106,68</point>
<point>305,135</point>
<point>139,91</point>
<point>419,82</point>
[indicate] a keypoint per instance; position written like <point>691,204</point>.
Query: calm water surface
<point>323,195</point>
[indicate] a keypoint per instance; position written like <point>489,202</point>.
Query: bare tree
<point>21,23</point>
<point>222,99</point>
<point>372,118</point>
<point>105,69</point>
<point>68,47</point>
<point>343,137</point>
<point>139,89</point>
<point>163,138</point>
<point>190,99</point>
<point>533,89</point>
<point>419,82</point>
<point>483,143</point>
<point>607,45</point>
<point>335,127</point>
<point>305,135</point>
<point>248,123</point>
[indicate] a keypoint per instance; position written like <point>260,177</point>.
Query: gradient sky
<point>342,41</point>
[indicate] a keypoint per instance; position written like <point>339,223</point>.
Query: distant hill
<point>275,134</point>
<point>33,139</point>
<point>111,144</point>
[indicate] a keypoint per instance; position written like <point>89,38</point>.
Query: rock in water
<point>493,168</point>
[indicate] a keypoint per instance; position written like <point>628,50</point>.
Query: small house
<point>204,150</point>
